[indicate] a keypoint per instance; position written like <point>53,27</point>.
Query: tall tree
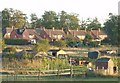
<point>34,19</point>
<point>13,17</point>
<point>49,19</point>
<point>5,18</point>
<point>90,23</point>
<point>112,29</point>
<point>68,20</point>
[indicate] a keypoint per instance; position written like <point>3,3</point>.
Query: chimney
<point>53,28</point>
<point>91,29</point>
<point>77,29</point>
<point>68,29</point>
<point>41,28</point>
<point>24,27</point>
<point>99,30</point>
<point>73,33</point>
<point>13,27</point>
<point>44,28</point>
<point>85,29</point>
<point>62,29</point>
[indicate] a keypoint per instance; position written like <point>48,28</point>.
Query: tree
<point>88,39</point>
<point>33,19</point>
<point>60,43</point>
<point>62,20</point>
<point>5,18</point>
<point>9,53</point>
<point>42,46</point>
<point>71,41</point>
<point>68,21</point>
<point>94,24</point>
<point>3,44</point>
<point>90,24</point>
<point>13,17</point>
<point>49,19</point>
<point>112,29</point>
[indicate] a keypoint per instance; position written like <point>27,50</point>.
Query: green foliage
<point>112,29</point>
<point>16,41</point>
<point>3,44</point>
<point>53,64</point>
<point>62,20</point>
<point>94,23</point>
<point>9,53</point>
<point>88,39</point>
<point>94,43</point>
<point>71,41</point>
<point>90,24</point>
<point>49,19</point>
<point>105,41</point>
<point>42,46</point>
<point>10,49</point>
<point>70,21</point>
<point>13,17</point>
<point>60,43</point>
<point>34,19</point>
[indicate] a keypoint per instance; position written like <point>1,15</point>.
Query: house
<point>98,35</point>
<point>22,33</point>
<point>58,53</point>
<point>51,34</point>
<point>7,31</point>
<point>105,66</point>
<point>80,34</point>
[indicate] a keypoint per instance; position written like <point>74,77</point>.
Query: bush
<point>60,43</point>
<point>9,49</point>
<point>16,41</point>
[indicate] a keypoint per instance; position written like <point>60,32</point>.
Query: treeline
<point>50,19</point>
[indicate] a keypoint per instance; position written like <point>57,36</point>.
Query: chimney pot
<point>53,28</point>
<point>85,29</point>
<point>77,29</point>
<point>99,30</point>
<point>43,28</point>
<point>12,27</point>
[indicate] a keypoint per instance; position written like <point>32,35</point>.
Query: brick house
<point>98,35</point>
<point>22,33</point>
<point>80,34</point>
<point>105,66</point>
<point>51,34</point>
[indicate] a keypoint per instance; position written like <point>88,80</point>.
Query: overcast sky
<point>85,8</point>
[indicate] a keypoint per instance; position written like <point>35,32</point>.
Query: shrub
<point>16,41</point>
<point>60,43</point>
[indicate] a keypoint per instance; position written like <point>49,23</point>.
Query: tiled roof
<point>30,31</point>
<point>54,32</point>
<point>97,32</point>
<point>77,32</point>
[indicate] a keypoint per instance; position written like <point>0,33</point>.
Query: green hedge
<point>16,41</point>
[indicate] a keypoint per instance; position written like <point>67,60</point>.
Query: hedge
<point>16,41</point>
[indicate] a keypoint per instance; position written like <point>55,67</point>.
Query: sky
<point>85,8</point>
